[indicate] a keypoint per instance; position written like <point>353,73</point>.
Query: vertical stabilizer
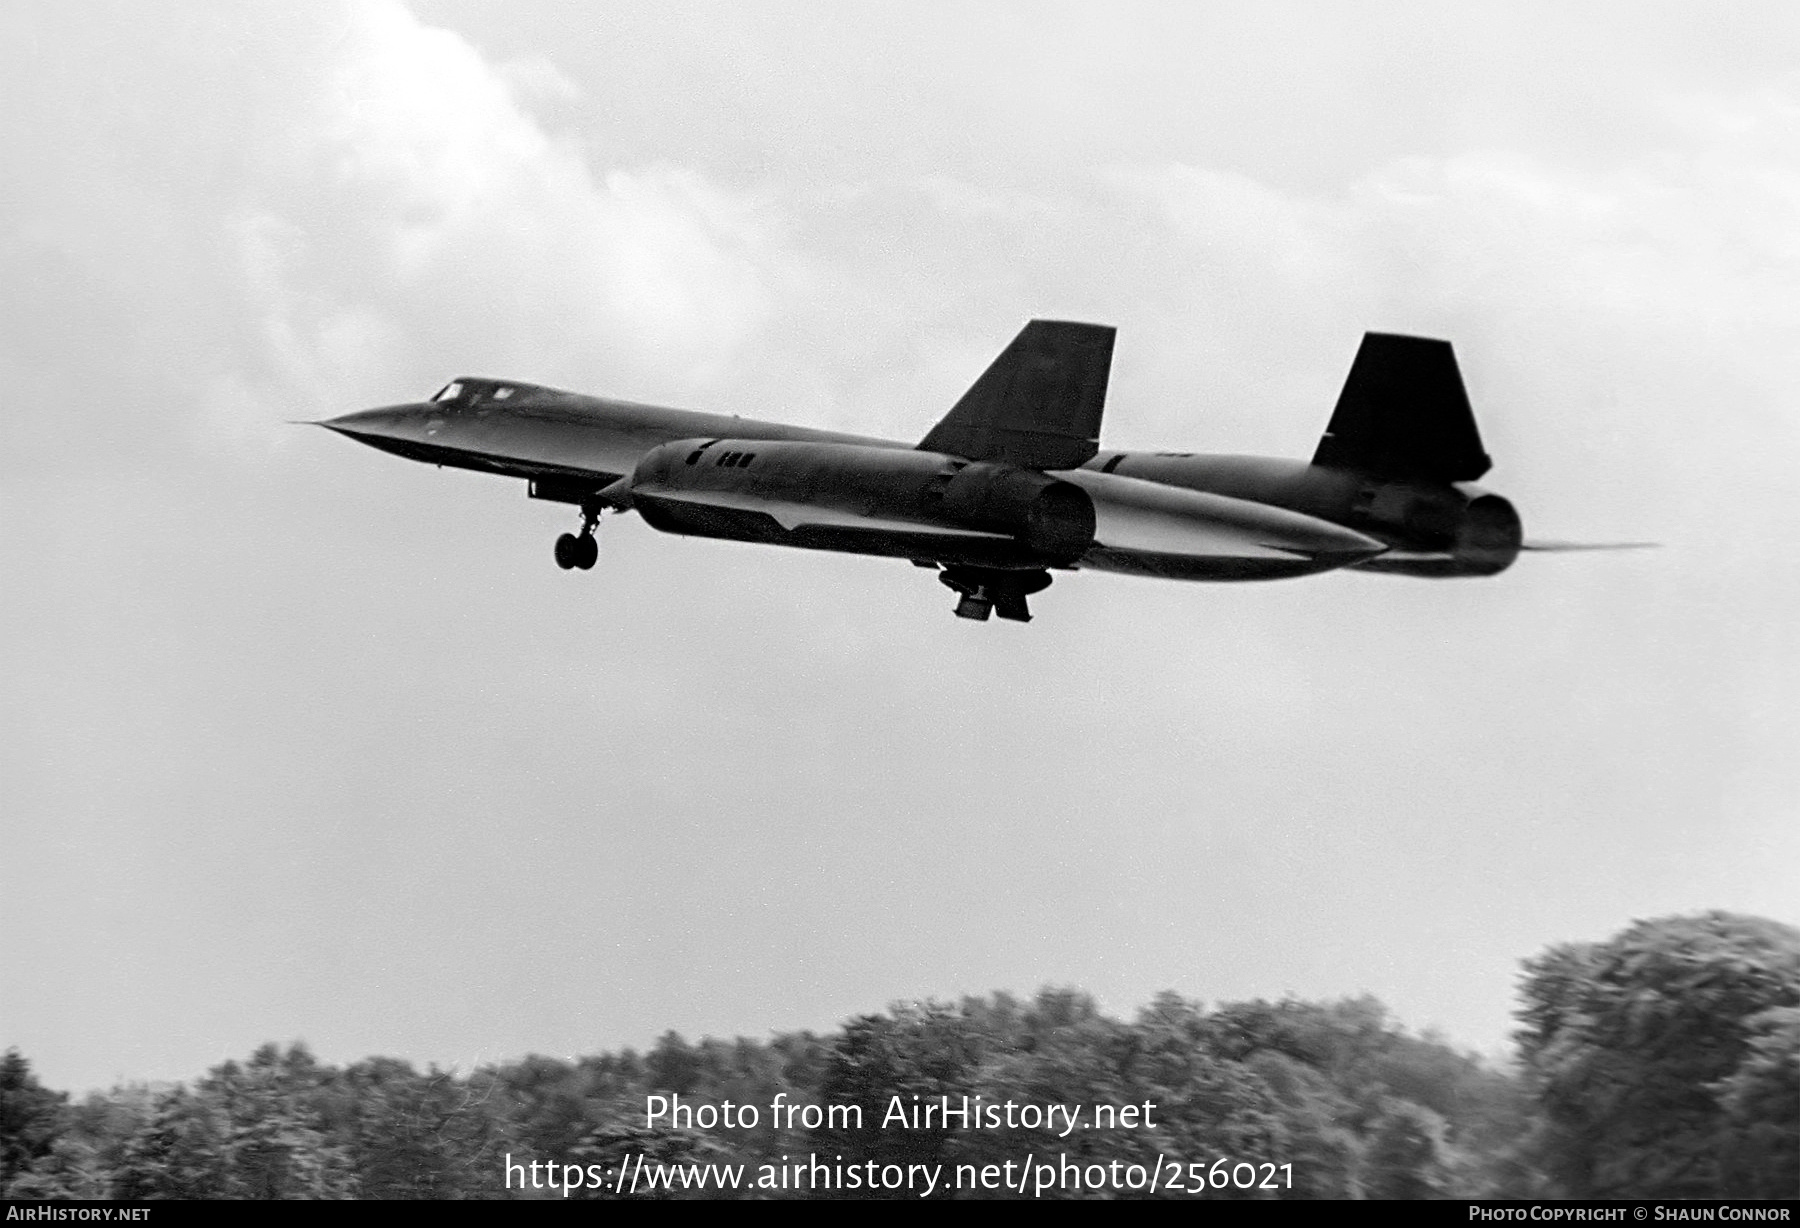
<point>1403,414</point>
<point>1038,405</point>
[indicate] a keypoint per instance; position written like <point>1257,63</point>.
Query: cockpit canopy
<point>468,391</point>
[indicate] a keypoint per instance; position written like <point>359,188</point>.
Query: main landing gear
<point>581,551</point>
<point>988,591</point>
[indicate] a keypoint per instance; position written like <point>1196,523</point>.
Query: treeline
<point>1664,1063</point>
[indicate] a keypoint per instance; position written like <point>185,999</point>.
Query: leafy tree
<point>673,1065</point>
<point>244,1131</point>
<point>71,1169</point>
<point>1057,1051</point>
<point>181,1151</point>
<point>554,1104</point>
<point>1357,1105</point>
<point>1405,1156</point>
<point>613,1148</point>
<point>1655,1055</point>
<point>1315,1121</point>
<point>31,1117</point>
<point>1761,1103</point>
<point>924,1050</point>
<point>276,1147</point>
<point>425,1135</point>
<point>804,1058</point>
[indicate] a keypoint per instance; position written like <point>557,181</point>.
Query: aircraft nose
<point>383,422</point>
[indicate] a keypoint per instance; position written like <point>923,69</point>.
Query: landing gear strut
<point>987,591</point>
<point>584,550</point>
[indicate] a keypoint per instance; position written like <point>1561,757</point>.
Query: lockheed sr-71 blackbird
<point>1012,484</point>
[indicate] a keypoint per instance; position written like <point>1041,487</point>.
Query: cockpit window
<point>450,392</point>
<point>502,392</point>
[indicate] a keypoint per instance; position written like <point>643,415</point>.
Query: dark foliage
<point>1667,1061</point>
<point>1353,1103</point>
<point>1664,1063</point>
<point>31,1118</point>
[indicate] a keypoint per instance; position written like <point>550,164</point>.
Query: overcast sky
<point>302,741</point>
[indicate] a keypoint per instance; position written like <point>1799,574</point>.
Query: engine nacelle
<point>1489,537</point>
<point>1052,517</point>
<point>699,486</point>
<point>1480,531</point>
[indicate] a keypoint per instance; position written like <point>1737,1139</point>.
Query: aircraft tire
<point>567,551</point>
<point>587,551</point>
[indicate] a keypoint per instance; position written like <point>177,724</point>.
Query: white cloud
<point>418,192</point>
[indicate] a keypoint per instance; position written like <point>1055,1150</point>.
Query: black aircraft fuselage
<point>1012,484</point>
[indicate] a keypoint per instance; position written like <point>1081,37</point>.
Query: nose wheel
<point>580,551</point>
